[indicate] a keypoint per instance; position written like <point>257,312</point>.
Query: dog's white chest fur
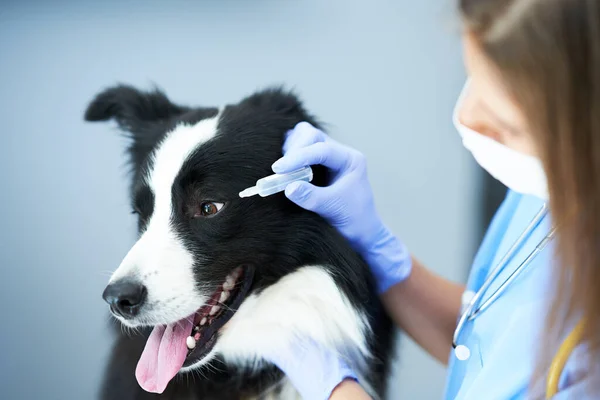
<point>304,304</point>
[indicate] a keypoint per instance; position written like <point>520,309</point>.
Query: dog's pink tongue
<point>163,355</point>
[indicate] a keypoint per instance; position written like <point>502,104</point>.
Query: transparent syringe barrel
<point>278,182</point>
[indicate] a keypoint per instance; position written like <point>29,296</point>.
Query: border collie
<point>215,280</point>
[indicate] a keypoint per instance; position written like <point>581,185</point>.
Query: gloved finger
<point>305,195</point>
<point>329,154</point>
<point>303,134</point>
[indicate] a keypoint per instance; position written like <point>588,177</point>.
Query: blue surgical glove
<point>346,203</point>
<point>312,369</point>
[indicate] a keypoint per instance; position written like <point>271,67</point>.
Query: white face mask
<point>520,172</point>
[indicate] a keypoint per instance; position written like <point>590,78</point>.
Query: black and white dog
<point>215,281</point>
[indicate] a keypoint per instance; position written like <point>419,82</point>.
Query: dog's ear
<point>132,109</point>
<point>143,116</point>
<point>281,102</point>
<point>289,107</point>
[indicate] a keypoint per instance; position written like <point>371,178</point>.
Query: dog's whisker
<point>213,367</point>
<point>226,307</point>
<point>126,330</point>
<point>110,317</point>
<point>202,374</point>
<point>217,368</point>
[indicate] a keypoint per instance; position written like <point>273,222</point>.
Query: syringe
<point>277,182</point>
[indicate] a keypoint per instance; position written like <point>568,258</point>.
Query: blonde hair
<point>547,53</point>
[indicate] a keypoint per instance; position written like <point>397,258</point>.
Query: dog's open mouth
<point>183,343</point>
<point>219,309</point>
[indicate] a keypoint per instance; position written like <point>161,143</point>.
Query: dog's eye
<point>206,209</point>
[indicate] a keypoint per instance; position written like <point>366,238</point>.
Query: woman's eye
<point>207,209</point>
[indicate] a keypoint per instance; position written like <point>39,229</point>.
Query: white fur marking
<point>172,153</point>
<point>306,303</point>
<point>159,259</point>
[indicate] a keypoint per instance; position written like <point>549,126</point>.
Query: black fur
<point>270,233</point>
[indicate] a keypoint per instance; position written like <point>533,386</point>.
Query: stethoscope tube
<point>474,309</point>
<point>514,274</point>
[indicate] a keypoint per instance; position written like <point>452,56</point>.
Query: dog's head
<point>202,250</point>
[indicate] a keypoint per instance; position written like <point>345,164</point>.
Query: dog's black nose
<point>125,297</point>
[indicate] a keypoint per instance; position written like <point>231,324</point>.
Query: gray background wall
<point>384,74</point>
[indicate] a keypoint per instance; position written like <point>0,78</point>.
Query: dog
<point>215,281</point>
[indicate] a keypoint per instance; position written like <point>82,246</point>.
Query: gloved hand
<point>313,370</point>
<point>347,203</point>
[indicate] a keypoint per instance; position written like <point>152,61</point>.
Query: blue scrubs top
<point>503,339</point>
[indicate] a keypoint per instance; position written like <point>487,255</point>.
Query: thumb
<point>304,194</point>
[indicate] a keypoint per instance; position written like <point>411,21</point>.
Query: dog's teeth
<point>196,329</point>
<point>224,296</point>
<point>203,321</point>
<point>190,342</point>
<point>214,310</point>
<point>228,285</point>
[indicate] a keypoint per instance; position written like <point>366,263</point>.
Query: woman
<point>530,115</point>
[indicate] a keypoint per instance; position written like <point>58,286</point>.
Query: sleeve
<point>576,382</point>
<point>580,391</point>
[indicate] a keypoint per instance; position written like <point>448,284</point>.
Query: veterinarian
<point>527,323</point>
